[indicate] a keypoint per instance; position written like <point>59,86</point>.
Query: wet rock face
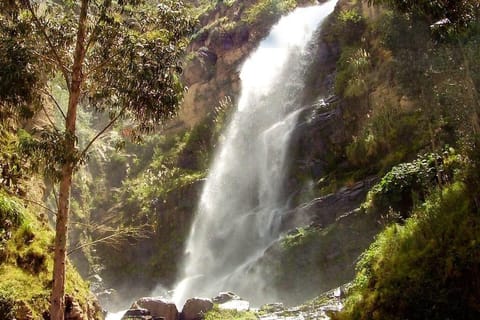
<point>326,210</point>
<point>196,308</point>
<point>211,71</point>
<point>158,307</point>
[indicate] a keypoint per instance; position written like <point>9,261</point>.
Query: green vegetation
<point>217,314</point>
<point>26,261</point>
<point>426,268</point>
<point>409,183</point>
<point>267,8</point>
<point>411,103</point>
<point>405,90</point>
<point>459,14</point>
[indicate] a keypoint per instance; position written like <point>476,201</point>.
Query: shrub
<point>10,212</point>
<point>219,314</point>
<point>412,181</point>
<point>267,9</point>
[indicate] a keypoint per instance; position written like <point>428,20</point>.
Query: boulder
<point>158,307</point>
<point>195,308</point>
<point>224,297</point>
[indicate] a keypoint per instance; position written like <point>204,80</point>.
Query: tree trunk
<point>57,299</point>
<point>57,308</point>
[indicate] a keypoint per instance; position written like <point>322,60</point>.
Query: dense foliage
<point>411,182</point>
<point>424,269</point>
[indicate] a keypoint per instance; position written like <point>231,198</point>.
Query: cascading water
<point>241,206</point>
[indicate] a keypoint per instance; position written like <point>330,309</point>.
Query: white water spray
<point>241,206</point>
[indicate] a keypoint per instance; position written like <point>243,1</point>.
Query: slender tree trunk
<point>57,307</point>
<point>57,299</point>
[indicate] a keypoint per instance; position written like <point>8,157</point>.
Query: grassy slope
<point>26,261</point>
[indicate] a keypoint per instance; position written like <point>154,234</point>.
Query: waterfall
<point>241,206</point>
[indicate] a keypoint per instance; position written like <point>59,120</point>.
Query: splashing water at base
<point>242,202</point>
<point>115,315</point>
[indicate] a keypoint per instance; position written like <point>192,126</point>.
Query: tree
<point>117,56</point>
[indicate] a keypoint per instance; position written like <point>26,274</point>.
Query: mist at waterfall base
<point>242,203</point>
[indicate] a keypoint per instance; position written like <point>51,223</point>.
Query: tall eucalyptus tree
<point>117,56</point>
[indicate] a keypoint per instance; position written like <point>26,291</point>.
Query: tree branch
<point>49,119</point>
<point>94,33</point>
<point>116,236</point>
<point>55,102</point>
<point>61,65</point>
<point>51,60</point>
<point>84,152</point>
<point>40,205</point>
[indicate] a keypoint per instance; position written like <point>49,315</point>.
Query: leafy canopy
<point>132,52</point>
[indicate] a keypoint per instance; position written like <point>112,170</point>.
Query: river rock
<point>195,308</point>
<point>158,307</point>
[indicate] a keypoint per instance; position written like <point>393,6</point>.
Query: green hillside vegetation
<point>26,261</point>
<point>424,268</point>
<point>415,87</point>
<point>218,313</point>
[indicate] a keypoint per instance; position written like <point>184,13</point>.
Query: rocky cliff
<point>225,35</point>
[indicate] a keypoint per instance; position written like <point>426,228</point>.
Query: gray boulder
<point>224,297</point>
<point>158,307</point>
<point>195,308</point>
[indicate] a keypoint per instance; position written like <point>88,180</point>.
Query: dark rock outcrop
<point>216,52</point>
<point>323,211</point>
<point>195,308</point>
